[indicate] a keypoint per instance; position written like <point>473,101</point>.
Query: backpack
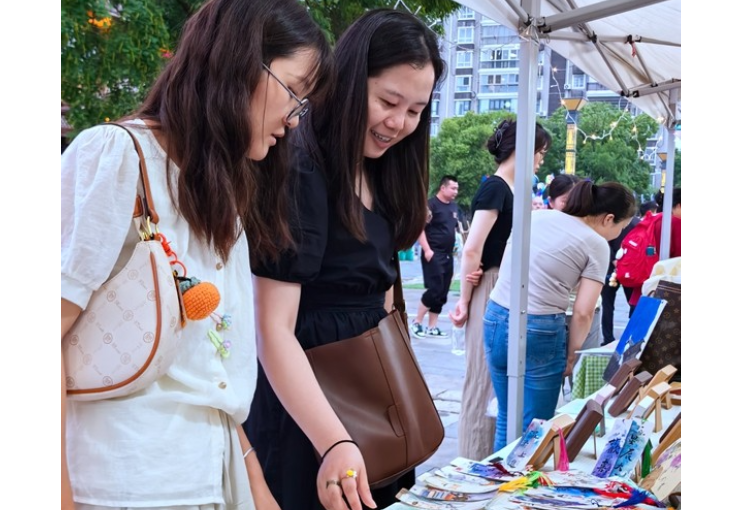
<point>639,252</point>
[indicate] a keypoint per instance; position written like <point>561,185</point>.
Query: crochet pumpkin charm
<point>200,298</point>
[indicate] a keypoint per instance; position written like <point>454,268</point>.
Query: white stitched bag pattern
<point>129,334</point>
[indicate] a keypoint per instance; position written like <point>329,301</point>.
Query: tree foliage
<point>111,52</point>
<point>460,150</point>
<point>609,145</point>
<point>334,16</point>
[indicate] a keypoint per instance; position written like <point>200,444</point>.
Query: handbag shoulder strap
<point>398,302</point>
<point>143,204</point>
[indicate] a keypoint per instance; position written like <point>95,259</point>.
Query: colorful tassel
<point>564,460</point>
<point>531,481</point>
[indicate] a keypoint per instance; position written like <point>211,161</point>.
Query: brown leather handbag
<point>374,384</point>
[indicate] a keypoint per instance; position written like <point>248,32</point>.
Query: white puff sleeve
<point>99,178</point>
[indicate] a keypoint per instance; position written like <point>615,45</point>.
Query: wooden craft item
<point>585,425</point>
<point>624,374</point>
<point>653,401</point>
<point>671,434</point>
<point>561,424</point>
<point>665,374</point>
<point>629,393</point>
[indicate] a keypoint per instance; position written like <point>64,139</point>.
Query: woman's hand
<point>570,366</point>
<point>334,482</point>
<point>475,277</point>
<point>459,315</point>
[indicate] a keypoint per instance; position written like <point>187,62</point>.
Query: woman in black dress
<point>360,194</point>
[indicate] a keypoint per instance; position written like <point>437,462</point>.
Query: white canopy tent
<point>630,46</point>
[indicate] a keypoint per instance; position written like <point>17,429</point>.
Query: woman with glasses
<point>360,196</point>
<point>482,254</point>
<point>212,131</point>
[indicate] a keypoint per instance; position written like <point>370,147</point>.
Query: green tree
<point>334,16</point>
<point>112,52</point>
<point>609,145</point>
<point>460,150</point>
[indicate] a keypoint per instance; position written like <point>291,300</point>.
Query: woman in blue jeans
<point>567,248</point>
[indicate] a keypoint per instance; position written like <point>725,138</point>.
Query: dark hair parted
<point>501,144</point>
<point>588,199</point>
<point>201,105</point>
<point>561,185</point>
<point>377,41</point>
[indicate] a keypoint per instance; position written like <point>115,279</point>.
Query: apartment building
<point>483,72</point>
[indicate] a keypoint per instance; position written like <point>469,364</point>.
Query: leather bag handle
<point>399,303</point>
<point>144,204</point>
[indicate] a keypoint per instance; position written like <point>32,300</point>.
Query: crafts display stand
<point>652,402</point>
<point>585,425</point>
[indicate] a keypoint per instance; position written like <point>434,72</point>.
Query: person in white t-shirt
<point>212,133</point>
<point>567,249</point>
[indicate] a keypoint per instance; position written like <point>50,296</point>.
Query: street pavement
<point>444,371</point>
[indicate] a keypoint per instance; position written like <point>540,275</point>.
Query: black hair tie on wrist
<point>322,459</point>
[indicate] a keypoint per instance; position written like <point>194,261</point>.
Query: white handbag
<point>129,333</point>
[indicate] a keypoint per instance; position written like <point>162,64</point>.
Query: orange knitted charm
<point>200,300</point>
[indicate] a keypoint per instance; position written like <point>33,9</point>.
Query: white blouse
<point>162,446</point>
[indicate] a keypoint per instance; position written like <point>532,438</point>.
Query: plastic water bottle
<point>459,341</point>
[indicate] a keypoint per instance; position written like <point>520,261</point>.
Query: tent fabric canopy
<point>629,46</point>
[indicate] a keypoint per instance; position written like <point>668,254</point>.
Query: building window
<point>463,83</point>
<point>434,128</point>
<point>462,106</point>
<point>496,83</point>
<point>465,35</point>
<point>578,81</point>
<point>497,34</point>
<point>464,59</point>
<point>466,13</point>
<point>495,105</point>
<point>500,58</point>
<point>435,107</point>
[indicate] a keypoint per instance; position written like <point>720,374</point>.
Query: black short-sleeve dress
<point>343,294</point>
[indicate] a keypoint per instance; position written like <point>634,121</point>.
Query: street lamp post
<point>573,106</point>
<point>663,156</point>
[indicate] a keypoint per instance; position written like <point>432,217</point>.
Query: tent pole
<point>668,193</point>
<point>592,12</point>
<point>521,215</point>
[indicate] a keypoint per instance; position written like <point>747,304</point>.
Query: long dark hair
<point>588,199</point>
<point>201,103</point>
<point>501,144</point>
<point>377,41</point>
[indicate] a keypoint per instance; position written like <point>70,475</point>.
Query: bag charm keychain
<point>200,301</point>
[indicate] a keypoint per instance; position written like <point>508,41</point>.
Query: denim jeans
<point>546,359</point>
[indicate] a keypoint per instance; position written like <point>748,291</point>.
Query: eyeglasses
<point>301,109</point>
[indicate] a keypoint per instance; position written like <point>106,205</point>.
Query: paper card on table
<point>576,478</point>
<point>410,499</point>
<point>531,440</point>
<point>636,333</point>
<point>634,445</point>
<point>426,492</point>
<point>434,479</point>
<point>614,443</point>
<point>562,497</point>
<point>665,477</point>
<point>481,469</point>
<point>454,474</point>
